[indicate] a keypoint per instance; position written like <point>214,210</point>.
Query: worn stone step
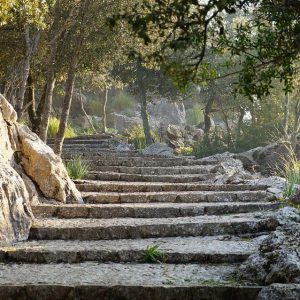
<point>148,210</point>
<point>214,250</point>
<point>178,197</point>
<point>149,178</point>
<point>132,228</point>
<point>112,158</point>
<point>158,170</point>
<point>128,187</point>
<point>113,281</point>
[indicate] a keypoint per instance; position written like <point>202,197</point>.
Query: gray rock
<point>278,259</point>
<point>280,292</point>
<point>124,147</point>
<point>159,149</point>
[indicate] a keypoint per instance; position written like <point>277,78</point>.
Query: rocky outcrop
<point>280,292</point>
<point>15,212</point>
<point>278,259</point>
<point>266,160</point>
<point>29,172</point>
<point>159,149</point>
<point>45,168</point>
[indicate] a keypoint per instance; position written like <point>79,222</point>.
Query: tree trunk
<point>143,101</point>
<point>296,123</point>
<point>104,111</point>
<point>240,123</point>
<point>207,115</point>
<point>85,114</point>
<point>59,138</point>
<point>31,48</point>
<point>286,116</point>
<point>45,115</point>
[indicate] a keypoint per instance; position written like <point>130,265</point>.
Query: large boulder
<point>46,169</point>
<point>158,149</point>
<point>121,122</point>
<point>15,212</point>
<point>29,173</point>
<point>268,160</point>
<point>165,112</point>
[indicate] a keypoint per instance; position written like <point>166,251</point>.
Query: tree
<point>265,45</point>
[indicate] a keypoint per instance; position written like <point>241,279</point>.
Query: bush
<point>136,136</point>
<point>53,129</point>
<point>185,151</point>
<point>95,107</point>
<point>77,168</point>
<point>210,145</point>
<point>123,102</point>
<point>194,116</point>
<point>291,172</point>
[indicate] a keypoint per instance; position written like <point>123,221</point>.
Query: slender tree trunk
<point>240,122</point>
<point>143,101</point>
<point>207,115</point>
<point>43,129</point>
<point>59,138</point>
<point>286,115</point>
<point>145,118</point>
<point>85,114</point>
<point>31,48</point>
<point>104,111</point>
<point>296,123</point>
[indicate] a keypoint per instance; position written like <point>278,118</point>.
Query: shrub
<point>123,102</point>
<point>194,116</point>
<point>291,172</point>
<point>77,168</point>
<point>136,136</point>
<point>53,129</point>
<point>185,151</point>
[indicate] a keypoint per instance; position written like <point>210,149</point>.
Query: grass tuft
<point>154,255</point>
<point>77,168</point>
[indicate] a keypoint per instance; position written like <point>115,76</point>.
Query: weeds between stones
<point>154,255</point>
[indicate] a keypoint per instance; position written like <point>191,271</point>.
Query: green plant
<point>291,172</point>
<point>136,136</point>
<point>123,102</point>
<point>185,150</point>
<point>194,116</point>
<point>77,168</point>
<point>53,129</point>
<point>154,255</point>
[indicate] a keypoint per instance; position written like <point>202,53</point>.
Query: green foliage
<point>53,129</point>
<point>154,255</point>
<point>123,103</point>
<point>95,107</point>
<point>77,168</point>
<point>243,29</point>
<point>185,151</point>
<point>136,136</point>
<point>194,116</point>
<point>291,172</point>
<point>211,145</point>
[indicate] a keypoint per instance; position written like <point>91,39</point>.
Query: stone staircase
<point>150,228</point>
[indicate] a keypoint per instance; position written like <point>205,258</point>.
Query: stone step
<point>148,210</point>
<point>133,228</point>
<point>219,249</point>
<point>157,170</point>
<point>109,176</point>
<point>178,197</point>
<point>102,158</point>
<point>114,281</point>
<point>128,187</point>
